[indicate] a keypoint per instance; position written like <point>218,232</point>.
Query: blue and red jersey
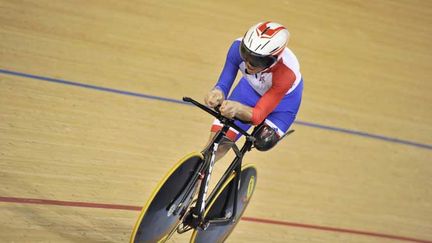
<point>272,85</point>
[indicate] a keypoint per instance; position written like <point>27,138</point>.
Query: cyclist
<point>268,94</point>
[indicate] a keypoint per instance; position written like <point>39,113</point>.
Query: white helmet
<point>263,42</point>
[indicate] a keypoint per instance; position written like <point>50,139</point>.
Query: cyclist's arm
<point>283,79</point>
<point>229,72</point>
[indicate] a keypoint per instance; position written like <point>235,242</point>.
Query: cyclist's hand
<point>214,98</point>
<point>230,108</point>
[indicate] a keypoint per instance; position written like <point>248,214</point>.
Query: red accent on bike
<point>230,134</point>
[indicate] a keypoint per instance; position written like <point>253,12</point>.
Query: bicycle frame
<point>204,173</point>
<point>235,167</point>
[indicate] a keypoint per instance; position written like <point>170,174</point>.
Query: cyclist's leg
<point>280,121</point>
<point>285,113</point>
<point>229,140</point>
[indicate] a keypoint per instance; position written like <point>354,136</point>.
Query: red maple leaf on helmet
<point>265,31</point>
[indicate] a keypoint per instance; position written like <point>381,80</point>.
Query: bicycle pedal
<point>183,228</point>
<point>191,220</point>
<point>204,225</point>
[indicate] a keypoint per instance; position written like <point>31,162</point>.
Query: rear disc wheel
<point>221,206</point>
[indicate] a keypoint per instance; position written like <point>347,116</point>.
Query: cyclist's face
<point>255,62</point>
<point>253,70</point>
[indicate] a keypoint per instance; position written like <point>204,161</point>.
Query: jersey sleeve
<point>229,72</point>
<point>283,79</point>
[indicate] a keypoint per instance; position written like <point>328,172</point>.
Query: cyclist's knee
<point>224,145</point>
<point>266,137</point>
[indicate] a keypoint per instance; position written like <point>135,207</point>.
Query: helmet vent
<point>250,36</point>
<point>257,47</point>
<point>265,44</point>
<point>250,44</point>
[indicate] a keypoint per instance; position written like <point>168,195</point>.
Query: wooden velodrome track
<point>79,157</point>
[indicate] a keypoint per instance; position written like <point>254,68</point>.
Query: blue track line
<point>145,96</point>
<point>88,86</point>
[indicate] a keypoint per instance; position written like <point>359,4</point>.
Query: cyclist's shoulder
<point>282,69</point>
<point>236,43</point>
<point>234,51</point>
<point>287,65</point>
<point>290,59</point>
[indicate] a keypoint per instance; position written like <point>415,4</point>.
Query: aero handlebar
<point>224,120</point>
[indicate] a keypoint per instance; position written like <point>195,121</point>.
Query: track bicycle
<point>180,203</point>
